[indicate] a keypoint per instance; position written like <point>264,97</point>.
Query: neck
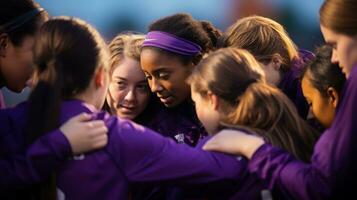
<point>88,96</point>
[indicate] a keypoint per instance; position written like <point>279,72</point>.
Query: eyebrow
<point>121,78</point>
<point>161,69</point>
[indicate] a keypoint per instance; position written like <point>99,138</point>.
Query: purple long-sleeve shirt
<point>21,167</point>
<point>135,154</point>
<point>332,171</point>
<point>291,84</point>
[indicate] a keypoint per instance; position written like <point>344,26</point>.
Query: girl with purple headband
<point>173,46</point>
<point>69,84</point>
<point>20,21</point>
<point>268,41</point>
<point>331,174</point>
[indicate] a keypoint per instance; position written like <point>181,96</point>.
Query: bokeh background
<point>299,17</point>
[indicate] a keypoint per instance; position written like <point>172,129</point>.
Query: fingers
<point>98,134</point>
<point>95,124</point>
<point>211,145</point>
<point>81,117</point>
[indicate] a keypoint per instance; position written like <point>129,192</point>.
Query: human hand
<point>234,142</point>
<point>85,134</point>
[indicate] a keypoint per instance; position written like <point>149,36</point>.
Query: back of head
<point>67,53</point>
<point>182,25</point>
<point>339,16</point>
<point>323,74</point>
<point>269,113</point>
<point>20,18</point>
<point>261,36</point>
<point>227,73</point>
<point>247,101</point>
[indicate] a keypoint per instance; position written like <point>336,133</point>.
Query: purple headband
<point>171,43</point>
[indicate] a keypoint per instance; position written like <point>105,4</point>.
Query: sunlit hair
<point>339,16</point>
<point>125,45</point>
<point>250,103</point>
<point>263,37</point>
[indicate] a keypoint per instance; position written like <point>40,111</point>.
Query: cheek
<point>143,99</point>
<point>115,94</point>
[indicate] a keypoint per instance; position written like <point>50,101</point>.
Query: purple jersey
<point>134,154</point>
<point>291,84</point>
<point>21,167</point>
<point>332,171</point>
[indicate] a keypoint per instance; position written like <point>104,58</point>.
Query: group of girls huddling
<point>183,112</point>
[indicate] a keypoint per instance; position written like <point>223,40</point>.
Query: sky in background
<point>299,17</point>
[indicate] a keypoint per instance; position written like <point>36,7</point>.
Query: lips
<point>166,99</point>
<point>127,109</point>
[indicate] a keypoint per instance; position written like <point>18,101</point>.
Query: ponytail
<point>270,114</point>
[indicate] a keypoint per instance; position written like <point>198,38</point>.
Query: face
<point>322,109</point>
<point>129,92</point>
<point>206,112</point>
<point>17,64</point>
<point>166,76</point>
<point>344,49</point>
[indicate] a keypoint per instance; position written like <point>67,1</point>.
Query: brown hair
<point>67,53</point>
<point>247,101</point>
<point>185,26</point>
<point>339,16</point>
<point>263,37</point>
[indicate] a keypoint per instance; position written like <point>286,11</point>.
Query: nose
<point>334,57</point>
<point>155,86</point>
<point>130,96</point>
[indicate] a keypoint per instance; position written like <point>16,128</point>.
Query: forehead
<point>152,59</point>
<point>307,87</point>
<point>329,35</point>
<point>128,68</point>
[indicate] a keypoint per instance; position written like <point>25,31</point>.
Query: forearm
<point>38,162</point>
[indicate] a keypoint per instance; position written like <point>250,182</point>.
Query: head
<point>20,21</point>
<point>71,61</point>
<point>166,67</point>
<point>338,19</point>
<point>322,83</point>
<point>219,80</point>
<point>267,40</point>
<point>228,88</point>
<point>129,92</point>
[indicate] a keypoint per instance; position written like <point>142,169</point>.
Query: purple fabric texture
<point>332,171</point>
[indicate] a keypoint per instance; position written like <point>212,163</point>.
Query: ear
<point>277,61</point>
<point>213,100</point>
<point>4,40</point>
<point>99,77</point>
<point>332,96</point>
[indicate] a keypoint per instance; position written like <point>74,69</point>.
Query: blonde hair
<point>125,45</point>
<point>263,37</point>
<point>247,101</point>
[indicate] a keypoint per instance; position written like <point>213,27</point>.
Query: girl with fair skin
<point>129,93</point>
<point>229,90</point>
<point>271,45</point>
<point>331,173</point>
